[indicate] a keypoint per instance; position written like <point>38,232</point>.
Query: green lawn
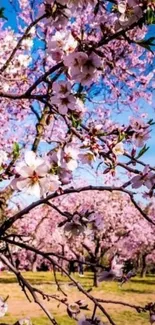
<point>138,291</point>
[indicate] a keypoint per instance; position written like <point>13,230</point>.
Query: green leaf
<point>15,150</point>
<point>151,122</point>
<point>150,16</point>
<point>121,137</point>
<point>2,13</point>
<point>142,151</point>
<point>75,122</point>
<point>147,43</point>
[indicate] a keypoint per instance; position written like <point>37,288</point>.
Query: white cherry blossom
<point>3,156</point>
<point>33,176</point>
<point>122,5</point>
<point>69,158</point>
<point>118,149</point>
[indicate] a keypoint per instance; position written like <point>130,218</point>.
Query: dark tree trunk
<point>34,263</point>
<point>144,266</point>
<point>95,283</point>
<point>62,261</point>
<point>138,262</point>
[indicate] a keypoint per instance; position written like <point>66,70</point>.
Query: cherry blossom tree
<point>67,69</point>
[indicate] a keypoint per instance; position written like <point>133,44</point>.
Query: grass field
<point>138,291</point>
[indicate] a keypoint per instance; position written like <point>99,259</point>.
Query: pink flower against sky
<point>62,42</point>
<point>64,103</point>
<point>65,159</point>
<point>33,176</point>
<point>63,98</point>
<point>141,131</point>
<point>69,158</point>
<point>87,157</point>
<point>81,67</point>
<point>62,88</point>
<point>140,138</point>
<point>118,149</point>
<point>146,178</point>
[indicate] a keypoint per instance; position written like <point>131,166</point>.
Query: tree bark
<point>62,261</point>
<point>95,282</point>
<point>34,263</point>
<point>144,266</point>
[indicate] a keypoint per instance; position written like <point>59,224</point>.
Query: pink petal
<point>63,110</point>
<point>25,171</point>
<point>42,170</point>
<point>23,184</point>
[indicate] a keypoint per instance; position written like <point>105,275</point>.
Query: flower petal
<point>34,190</point>
<point>25,171</point>
<point>30,158</point>
<point>72,164</point>
<point>42,169</point>
<point>23,184</point>
<point>63,109</point>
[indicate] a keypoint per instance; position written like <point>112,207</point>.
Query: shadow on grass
<point>62,320</point>
<point>138,291</point>
<point>35,281</point>
<point>144,281</point>
<point>9,280</point>
<point>41,281</point>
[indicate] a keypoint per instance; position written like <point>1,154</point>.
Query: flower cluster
<point>82,67</point>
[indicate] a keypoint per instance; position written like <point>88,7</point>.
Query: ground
<point>138,291</point>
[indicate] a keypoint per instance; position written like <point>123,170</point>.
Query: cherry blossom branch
<point>25,284</point>
<point>67,121</point>
<point>136,307</point>
<point>35,22</point>
<point>42,78</point>
<point>8,223</point>
<point>134,159</point>
<point>77,284</point>
<point>121,32</point>
<point>63,213</point>
<point>27,94</point>
<point>57,282</point>
<point>131,170</point>
<point>94,300</point>
<point>40,129</point>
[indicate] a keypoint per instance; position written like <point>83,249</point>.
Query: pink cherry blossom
<point>87,157</point>
<point>64,103</point>
<point>146,178</point>
<point>69,158</point>
<point>62,88</point>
